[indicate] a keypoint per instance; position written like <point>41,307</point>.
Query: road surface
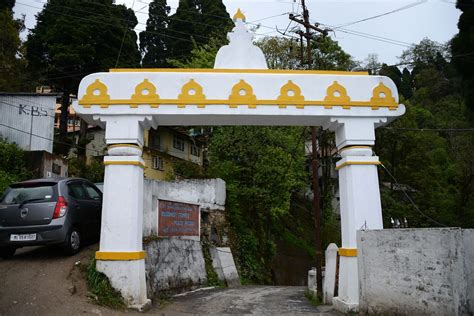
<point>43,281</point>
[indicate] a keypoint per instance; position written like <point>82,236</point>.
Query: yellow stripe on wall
<point>135,163</point>
<point>348,163</point>
<point>348,252</point>
<point>120,256</point>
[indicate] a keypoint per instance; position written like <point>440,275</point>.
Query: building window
<point>195,150</point>
<point>155,141</point>
<point>178,143</point>
<point>157,163</point>
<point>56,169</point>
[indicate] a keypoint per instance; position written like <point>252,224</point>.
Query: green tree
<point>194,24</point>
<point>433,167</point>
<point>262,167</point>
<point>12,63</point>
<point>154,40</point>
<point>280,52</point>
<point>71,40</point>
<point>284,53</point>
<point>12,165</point>
<point>463,48</point>
<point>328,55</point>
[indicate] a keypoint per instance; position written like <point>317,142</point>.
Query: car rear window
<point>19,194</point>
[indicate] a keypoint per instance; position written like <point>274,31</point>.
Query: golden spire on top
<point>239,15</point>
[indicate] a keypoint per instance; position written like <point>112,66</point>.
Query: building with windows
<point>163,148</point>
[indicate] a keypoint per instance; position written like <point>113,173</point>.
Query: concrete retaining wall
<point>209,194</point>
<point>416,271</point>
<point>176,264</point>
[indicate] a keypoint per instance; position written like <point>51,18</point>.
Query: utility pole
<point>308,35</point>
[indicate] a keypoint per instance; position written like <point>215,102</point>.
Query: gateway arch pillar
<point>121,256</point>
<point>360,204</point>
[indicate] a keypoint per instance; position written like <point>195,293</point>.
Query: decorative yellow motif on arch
<point>382,95</point>
<point>239,16</point>
<point>242,93</point>
<point>145,93</point>
<point>96,93</point>
<point>290,92</point>
<point>336,94</point>
<point>191,93</point>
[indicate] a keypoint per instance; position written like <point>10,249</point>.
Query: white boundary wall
<point>416,271</point>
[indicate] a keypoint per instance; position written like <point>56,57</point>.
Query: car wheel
<point>73,242</point>
<point>7,252</point>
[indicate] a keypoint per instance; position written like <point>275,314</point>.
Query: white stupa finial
<point>240,53</point>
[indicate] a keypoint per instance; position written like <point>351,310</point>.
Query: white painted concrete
<point>174,265</point>
<point>224,265</point>
<point>416,271</point>
<point>330,273</point>
<point>209,194</point>
<point>111,105</point>
<point>313,282</point>
<point>240,53</point>
<point>129,278</point>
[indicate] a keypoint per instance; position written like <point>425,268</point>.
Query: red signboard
<point>177,219</point>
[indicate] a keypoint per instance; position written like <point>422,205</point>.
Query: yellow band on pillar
<point>120,256</point>
<point>119,162</point>
<point>347,163</point>
<point>347,252</point>
<point>355,147</point>
<point>125,145</point>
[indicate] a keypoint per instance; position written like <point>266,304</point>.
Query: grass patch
<point>313,299</point>
<point>101,289</point>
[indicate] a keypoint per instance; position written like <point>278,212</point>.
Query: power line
<point>124,33</point>
<point>409,198</point>
<point>405,7</point>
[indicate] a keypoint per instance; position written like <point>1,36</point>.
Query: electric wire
<point>124,34</point>
<point>409,198</point>
<point>405,7</point>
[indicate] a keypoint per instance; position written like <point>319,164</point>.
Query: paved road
<point>245,300</point>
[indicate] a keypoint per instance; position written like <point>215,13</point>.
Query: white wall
<point>22,115</point>
<point>416,271</point>
<point>207,193</point>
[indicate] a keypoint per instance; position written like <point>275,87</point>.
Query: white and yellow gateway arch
<point>240,90</point>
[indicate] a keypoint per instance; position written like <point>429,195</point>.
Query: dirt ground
<point>43,281</point>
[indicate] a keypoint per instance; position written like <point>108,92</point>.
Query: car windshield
<point>18,195</point>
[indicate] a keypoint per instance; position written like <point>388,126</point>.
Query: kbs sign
<point>177,219</point>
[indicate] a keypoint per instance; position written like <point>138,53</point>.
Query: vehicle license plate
<point>22,237</point>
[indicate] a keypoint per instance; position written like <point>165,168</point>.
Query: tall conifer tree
<point>12,63</point>
<point>71,40</point>
<point>154,40</point>
<point>195,23</point>
<point>463,48</point>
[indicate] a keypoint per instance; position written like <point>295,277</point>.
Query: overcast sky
<point>415,20</point>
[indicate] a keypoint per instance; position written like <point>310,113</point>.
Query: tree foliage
<point>262,167</point>
<point>12,63</point>
<point>73,38</point>
<point>285,53</point>
<point>433,167</point>
<point>153,41</point>
<point>12,165</point>
<point>463,49</point>
<point>194,24</point>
